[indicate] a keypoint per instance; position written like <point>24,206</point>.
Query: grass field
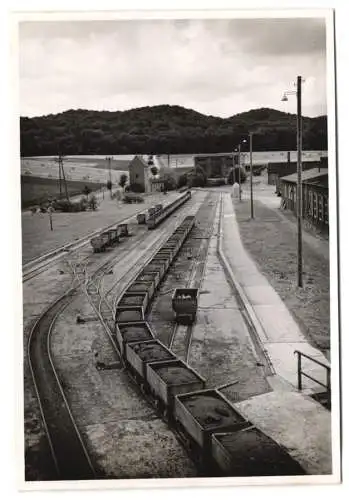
<point>272,243</point>
<point>35,190</point>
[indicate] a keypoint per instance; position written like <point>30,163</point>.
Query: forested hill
<point>164,129</point>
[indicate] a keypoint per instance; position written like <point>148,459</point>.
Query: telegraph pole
<point>299,180</point>
<point>251,175</point>
<point>65,182</point>
<point>239,174</point>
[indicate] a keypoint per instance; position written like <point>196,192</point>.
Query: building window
<point>137,176</point>
<point>310,205</point>
<point>321,208</point>
<point>325,209</point>
<point>315,206</point>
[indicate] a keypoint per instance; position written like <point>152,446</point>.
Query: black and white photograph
<point>178,192</point>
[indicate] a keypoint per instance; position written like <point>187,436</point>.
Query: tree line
<point>164,130</point>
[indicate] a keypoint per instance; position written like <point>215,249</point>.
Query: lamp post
<point>298,93</point>
<point>251,174</point>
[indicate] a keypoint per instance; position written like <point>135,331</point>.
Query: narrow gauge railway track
<point>61,429</point>
<point>181,336</point>
<point>104,308</point>
<point>70,456</point>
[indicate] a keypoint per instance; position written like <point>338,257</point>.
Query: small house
<point>139,174</point>
<point>314,196</point>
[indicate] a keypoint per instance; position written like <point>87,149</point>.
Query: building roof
<point>208,155</point>
<point>315,176</point>
<point>287,168</point>
<point>138,160</point>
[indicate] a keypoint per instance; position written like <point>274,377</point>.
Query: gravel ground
<point>117,424</point>
<point>38,293</point>
<point>272,243</point>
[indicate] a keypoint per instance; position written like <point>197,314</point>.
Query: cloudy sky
<point>217,67</point>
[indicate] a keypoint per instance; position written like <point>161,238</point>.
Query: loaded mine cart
<point>200,414</point>
<point>139,354</point>
<point>138,331</point>
<point>112,235</point>
<point>123,230</point>
<point>141,218</point>
<point>250,452</point>
<point>124,314</point>
<point>168,378</point>
<point>185,304</point>
<point>100,242</point>
<point>132,299</point>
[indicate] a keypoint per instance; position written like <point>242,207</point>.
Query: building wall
<point>156,187</point>
<point>315,202</point>
<point>139,173</point>
<point>215,166</point>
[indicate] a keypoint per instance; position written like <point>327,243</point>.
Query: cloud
<point>218,67</point>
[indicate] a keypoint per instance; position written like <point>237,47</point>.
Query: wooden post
<point>239,173</point>
<point>299,181</point>
<point>251,175</point>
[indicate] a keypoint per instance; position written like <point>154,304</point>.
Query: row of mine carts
<point>218,436</point>
<point>109,238</point>
<point>157,215</point>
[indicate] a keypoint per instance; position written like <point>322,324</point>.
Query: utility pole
<point>299,180</point>
<point>239,174</point>
<point>251,175</point>
<point>65,182</point>
<point>108,158</point>
<point>298,93</point>
<point>61,176</point>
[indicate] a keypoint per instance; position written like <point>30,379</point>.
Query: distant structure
<point>315,195</point>
<point>139,173</point>
<point>216,166</point>
<point>276,170</point>
<point>157,185</point>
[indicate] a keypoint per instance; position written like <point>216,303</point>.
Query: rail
<point>301,373</point>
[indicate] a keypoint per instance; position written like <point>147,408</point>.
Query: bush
<point>154,170</point>
<point>122,181</point>
<point>132,198</point>
<point>169,183</point>
<point>68,206</point>
<point>182,181</point>
<point>198,181</point>
<point>234,173</point>
<point>136,188</point>
<point>93,204</point>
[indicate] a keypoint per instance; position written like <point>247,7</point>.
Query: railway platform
<point>276,330</point>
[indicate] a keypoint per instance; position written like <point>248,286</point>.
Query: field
<point>35,190</point>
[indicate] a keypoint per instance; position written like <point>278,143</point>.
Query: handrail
<point>327,386</point>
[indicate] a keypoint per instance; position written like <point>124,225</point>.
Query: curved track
<point>62,432</point>
<point>70,457</point>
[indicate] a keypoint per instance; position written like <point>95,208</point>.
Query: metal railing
<point>327,386</point>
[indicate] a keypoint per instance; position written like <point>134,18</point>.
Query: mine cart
<point>185,304</point>
<point>141,218</point>
<point>99,243</point>
<point>123,230</point>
